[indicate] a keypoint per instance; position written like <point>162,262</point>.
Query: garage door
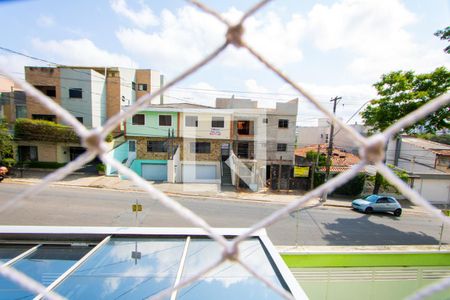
<point>193,173</point>
<point>156,172</point>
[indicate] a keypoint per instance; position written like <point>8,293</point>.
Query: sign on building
<point>301,171</point>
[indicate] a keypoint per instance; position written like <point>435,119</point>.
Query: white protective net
<point>371,152</point>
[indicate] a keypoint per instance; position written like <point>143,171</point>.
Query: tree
<point>312,157</point>
<point>401,93</point>
<point>6,146</point>
<point>444,34</point>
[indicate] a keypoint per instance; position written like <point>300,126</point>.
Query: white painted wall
<point>204,129</point>
<point>188,173</point>
<point>127,77</point>
<point>98,99</point>
<point>409,152</point>
<point>437,191</point>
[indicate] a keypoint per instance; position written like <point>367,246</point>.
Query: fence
<point>371,152</point>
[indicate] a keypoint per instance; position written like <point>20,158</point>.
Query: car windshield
<point>370,198</point>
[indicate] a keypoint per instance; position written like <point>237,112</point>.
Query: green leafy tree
<point>312,157</point>
<point>444,34</point>
<point>401,93</point>
<point>6,146</point>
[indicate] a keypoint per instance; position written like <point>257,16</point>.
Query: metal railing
<point>371,152</point>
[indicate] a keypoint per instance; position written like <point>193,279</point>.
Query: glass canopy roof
<point>112,265</point>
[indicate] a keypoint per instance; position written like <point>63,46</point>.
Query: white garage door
<point>156,172</point>
<point>193,173</point>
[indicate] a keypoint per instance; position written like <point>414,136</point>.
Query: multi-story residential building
<point>233,143</point>
<point>12,100</point>
<point>177,143</point>
<point>91,94</point>
<point>263,141</point>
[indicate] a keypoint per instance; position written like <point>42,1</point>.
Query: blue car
<point>371,203</point>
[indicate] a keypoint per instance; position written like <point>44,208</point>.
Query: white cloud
<point>187,35</point>
<point>198,93</point>
<point>45,21</point>
<point>253,87</point>
<point>15,64</point>
<point>353,97</point>
<point>376,33</point>
<point>142,18</point>
<point>81,52</point>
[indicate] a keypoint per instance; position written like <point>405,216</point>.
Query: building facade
<point>313,135</point>
<point>90,94</point>
<point>178,142</point>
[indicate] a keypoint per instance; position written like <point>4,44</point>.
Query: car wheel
<point>368,210</point>
<point>398,212</point>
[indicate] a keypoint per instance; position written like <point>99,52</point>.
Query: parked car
<point>371,203</point>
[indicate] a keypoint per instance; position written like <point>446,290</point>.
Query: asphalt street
<point>71,206</point>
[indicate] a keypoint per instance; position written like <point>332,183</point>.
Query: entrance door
<point>225,151</point>
<point>74,152</point>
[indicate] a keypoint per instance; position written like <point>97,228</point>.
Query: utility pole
<point>330,146</point>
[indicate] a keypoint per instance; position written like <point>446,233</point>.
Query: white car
<point>372,203</point>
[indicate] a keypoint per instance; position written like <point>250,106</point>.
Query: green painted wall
<point>366,260</point>
<point>151,127</point>
<point>386,276</point>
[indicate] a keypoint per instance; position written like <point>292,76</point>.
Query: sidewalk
<point>197,190</point>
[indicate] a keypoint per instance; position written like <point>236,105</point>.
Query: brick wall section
<point>142,77</point>
<point>112,94</point>
<point>46,151</point>
<point>183,145</point>
<point>42,76</point>
<point>214,155</point>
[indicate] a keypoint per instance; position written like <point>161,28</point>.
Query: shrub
<point>9,162</point>
<point>40,130</point>
<point>109,138</point>
<point>353,187</point>
<point>403,175</point>
<point>101,167</point>
<point>43,164</point>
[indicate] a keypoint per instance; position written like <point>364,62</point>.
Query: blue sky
<point>331,48</point>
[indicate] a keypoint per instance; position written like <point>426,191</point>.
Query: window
<point>243,127</point>
<point>242,150</point>
<point>21,111</point>
<point>265,120</point>
<point>138,119</point>
<point>200,147</point>
<point>165,120</point>
<point>281,147</point>
<point>133,85</point>
<point>283,123</point>
<point>51,118</point>
<point>131,146</point>
<point>75,93</point>
<point>217,122</point>
<point>49,90</point>
<point>142,87</point>
<point>27,153</point>
<point>191,121</point>
<point>80,119</point>
<point>156,146</point>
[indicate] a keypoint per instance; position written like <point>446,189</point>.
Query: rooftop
<point>435,147</point>
<point>340,158</point>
